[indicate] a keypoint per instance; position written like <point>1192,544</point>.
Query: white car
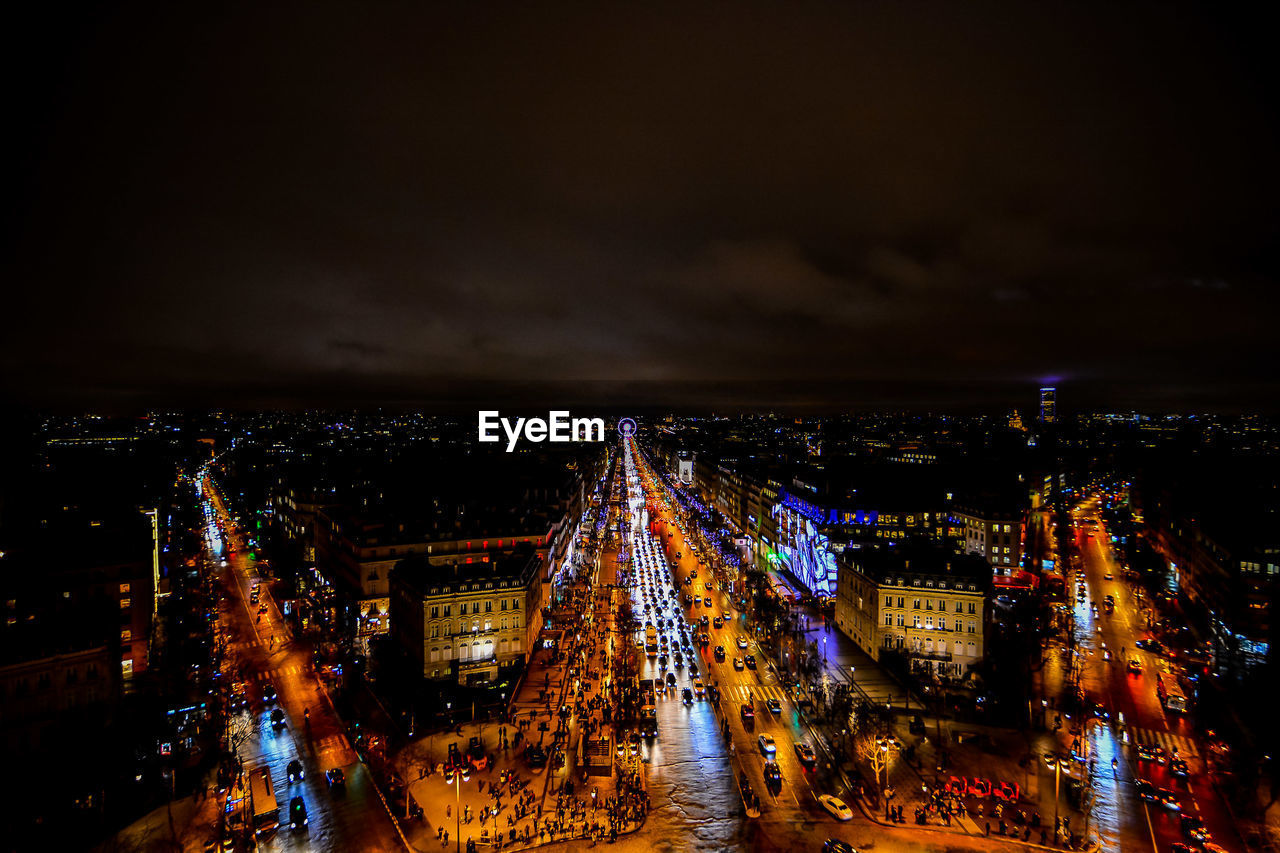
<point>742,642</point>
<point>767,746</point>
<point>839,810</point>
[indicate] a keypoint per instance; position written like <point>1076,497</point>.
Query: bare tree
<point>875,751</point>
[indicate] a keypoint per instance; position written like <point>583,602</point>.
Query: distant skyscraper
<point>1048,405</point>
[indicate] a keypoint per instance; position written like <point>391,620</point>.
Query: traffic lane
<point>322,742</point>
<point>795,792</point>
<point>1144,710</point>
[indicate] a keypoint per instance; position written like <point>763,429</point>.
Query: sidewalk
<point>563,695</point>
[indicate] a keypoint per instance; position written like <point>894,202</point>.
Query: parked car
<point>976,787</point>
<point>1006,791</point>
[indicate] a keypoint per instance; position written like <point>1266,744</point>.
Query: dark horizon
<point>461,399</point>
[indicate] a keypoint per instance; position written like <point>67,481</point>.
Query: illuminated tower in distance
<point>1048,405</point>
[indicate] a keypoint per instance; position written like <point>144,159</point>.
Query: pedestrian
<point>988,828</point>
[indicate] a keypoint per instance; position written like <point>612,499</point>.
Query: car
<point>1179,847</point>
<point>1109,577</point>
<point>277,719</point>
<point>1169,799</point>
<point>718,622</point>
<point>738,663</point>
<point>1100,711</point>
<point>748,713</point>
<point>806,754</point>
<point>686,696</point>
<point>1146,790</point>
<point>1006,791</point>
<point>774,706</point>
<point>671,679</point>
<point>662,661</point>
<point>269,694</point>
<point>1194,828</point>
<point>706,602</point>
<point>750,661</point>
<point>1151,752</point>
<point>956,786</point>
<point>1135,666</point>
<point>772,775</point>
<point>836,806</point>
<point>633,743</point>
<point>294,770</point>
<point>1178,767</point>
<point>297,813</point>
<point>835,845</point>
<point>976,787</point>
<point>742,642</point>
<point>262,608</point>
<point>766,744</point>
<point>698,687</point>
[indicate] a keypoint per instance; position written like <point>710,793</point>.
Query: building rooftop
<point>518,564</point>
<point>918,560</point>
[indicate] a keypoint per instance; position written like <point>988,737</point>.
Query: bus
<point>266,812</point>
<point>651,641</point>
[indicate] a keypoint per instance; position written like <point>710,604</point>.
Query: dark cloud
<point>342,201</point>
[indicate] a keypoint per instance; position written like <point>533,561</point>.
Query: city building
<point>1048,405</point>
<point>993,527</point>
<point>81,596</point>
<point>468,622</point>
<point>919,601</point>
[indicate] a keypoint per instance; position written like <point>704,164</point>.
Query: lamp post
<point>824,650</point>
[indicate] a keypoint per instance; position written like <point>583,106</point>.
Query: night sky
<point>797,203</point>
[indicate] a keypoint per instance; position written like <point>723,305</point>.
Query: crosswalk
<point>758,692</point>
<point>1185,746</point>
<point>273,674</point>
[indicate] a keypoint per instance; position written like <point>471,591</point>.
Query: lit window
<point>124,589</point>
<point>126,635</point>
<point>124,603</point>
